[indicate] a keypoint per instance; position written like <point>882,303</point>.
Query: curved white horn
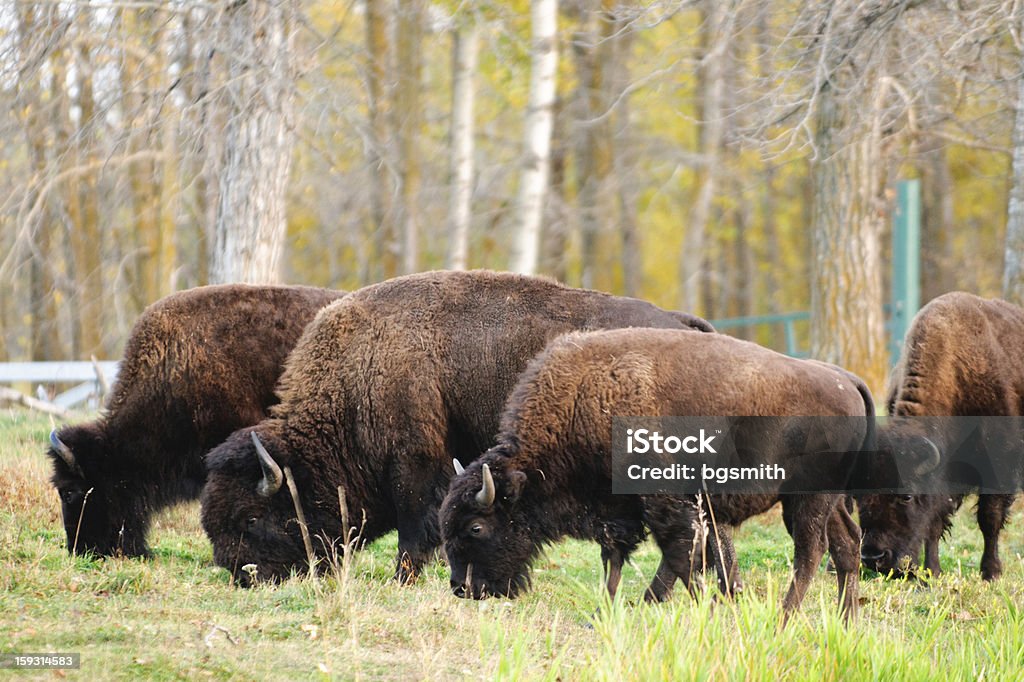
<point>485,498</point>
<point>272,476</point>
<point>458,467</point>
<point>931,461</point>
<point>61,448</point>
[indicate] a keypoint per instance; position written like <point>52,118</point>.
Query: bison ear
<point>516,481</point>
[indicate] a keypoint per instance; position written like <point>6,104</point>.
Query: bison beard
<point>961,358</point>
<point>198,365</point>
<point>550,475</point>
<point>383,390</point>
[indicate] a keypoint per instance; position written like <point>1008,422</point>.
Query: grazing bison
<point>198,365</point>
<point>550,474</point>
<point>383,390</point>
<point>962,357</point>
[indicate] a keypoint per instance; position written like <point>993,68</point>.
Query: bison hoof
<point>405,574</point>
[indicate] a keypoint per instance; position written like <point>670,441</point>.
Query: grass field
<point>178,617</point>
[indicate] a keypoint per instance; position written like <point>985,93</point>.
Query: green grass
<point>177,617</point>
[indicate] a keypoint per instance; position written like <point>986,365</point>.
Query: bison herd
<point>296,413</point>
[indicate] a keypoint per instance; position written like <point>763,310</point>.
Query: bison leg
<point>931,556</point>
<point>844,548</point>
<point>674,525</point>
<point>417,540</point>
<point>806,518</point>
<point>661,585</point>
<point>992,513</point>
<point>612,559</point>
<point>618,538</point>
<point>414,551</point>
<point>720,549</point>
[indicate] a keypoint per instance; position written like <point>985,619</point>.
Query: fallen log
<point>9,395</point>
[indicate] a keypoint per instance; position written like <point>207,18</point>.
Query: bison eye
<point>476,529</point>
<point>906,499</point>
<point>250,522</point>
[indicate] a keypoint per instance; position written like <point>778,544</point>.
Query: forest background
<point>728,158</point>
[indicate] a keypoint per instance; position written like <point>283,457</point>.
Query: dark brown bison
<point>198,365</point>
<point>385,388</point>
<point>550,475</point>
<point>961,357</point>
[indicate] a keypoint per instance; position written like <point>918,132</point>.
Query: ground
<point>178,617</point>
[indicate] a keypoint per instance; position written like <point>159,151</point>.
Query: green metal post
<point>906,263</point>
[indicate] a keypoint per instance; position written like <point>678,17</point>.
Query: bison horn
<point>61,448</point>
<point>458,467</point>
<point>931,460</point>
<point>272,476</point>
<point>485,498</point>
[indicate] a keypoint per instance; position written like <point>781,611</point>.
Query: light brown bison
<point>198,365</point>
<point>550,474</point>
<point>385,388</point>
<point>962,357</point>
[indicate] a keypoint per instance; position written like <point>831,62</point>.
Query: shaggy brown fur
<point>383,390</point>
<point>198,365</point>
<point>961,357</point>
<point>552,464</point>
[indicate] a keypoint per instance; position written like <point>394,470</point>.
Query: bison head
<point>99,507</point>
<point>488,536</point>
<point>896,526</point>
<point>248,512</point>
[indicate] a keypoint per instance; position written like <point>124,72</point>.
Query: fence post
<point>906,263</point>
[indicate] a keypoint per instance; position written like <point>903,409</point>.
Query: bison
<point>961,357</point>
<point>550,473</point>
<point>385,388</point>
<point>199,364</point>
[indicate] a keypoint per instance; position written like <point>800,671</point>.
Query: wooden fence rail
<point>91,381</point>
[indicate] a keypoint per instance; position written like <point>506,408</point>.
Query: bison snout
<point>872,554</point>
<point>875,558</point>
<point>463,591</point>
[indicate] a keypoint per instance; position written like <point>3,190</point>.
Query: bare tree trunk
<point>1013,265</point>
<point>208,156</point>
<point>251,224</point>
<point>712,87</point>
<point>86,239</point>
<point>385,240</point>
<point>769,282</point>
<point>407,124</point>
<point>533,182</point>
<point>847,327</point>
<point>465,42</point>
<point>593,49</point>
<point>936,219</point>
<point>625,194</point>
<point>745,266</point>
<point>142,87</point>
<point>43,340</point>
<point>169,185</point>
<point>558,213</point>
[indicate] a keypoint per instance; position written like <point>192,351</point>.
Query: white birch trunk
<point>537,137</point>
<point>464,63</point>
<point>250,228</point>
